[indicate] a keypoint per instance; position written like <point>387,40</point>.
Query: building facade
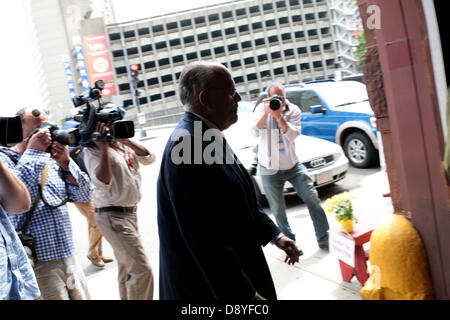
<point>258,40</point>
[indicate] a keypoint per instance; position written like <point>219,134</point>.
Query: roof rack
<point>319,81</point>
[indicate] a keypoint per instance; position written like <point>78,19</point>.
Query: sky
<point>18,83</point>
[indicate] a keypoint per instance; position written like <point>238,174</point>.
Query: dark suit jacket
<point>211,229</point>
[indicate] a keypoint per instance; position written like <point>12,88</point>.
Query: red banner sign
<point>98,62</point>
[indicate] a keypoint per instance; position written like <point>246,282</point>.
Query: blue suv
<point>337,111</point>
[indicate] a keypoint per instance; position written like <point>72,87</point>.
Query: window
<point>127,103</point>
<point>239,79</point>
<point>281,4</point>
<point>232,47</point>
<point>304,66</point>
<point>216,33</point>
<point>330,62</point>
<point>286,36</point>
<point>264,74</point>
<point>149,64</point>
<point>254,9</point>
<point>124,86</point>
<point>308,99</point>
<point>146,48</point>
<point>243,28</point>
<point>299,34</point>
<point>249,60</point>
<point>172,25</point>
<point>227,15</point>
<point>188,39</point>
<point>152,81</point>
<point>292,68</point>
<point>267,6</point>
<point>252,77</point>
<point>143,31</point>
<point>199,20</point>
<point>246,44</point>
<point>296,18</point>
<point>275,55</point>
<point>325,30</point>
<point>213,17</point>
<point>235,63</point>
<point>114,36</point>
<point>169,94</point>
<point>273,39</point>
<point>202,36</point>
<point>117,53</point>
<point>120,70</point>
<point>317,64</point>
<point>161,45</point>
<point>288,52</point>
<point>158,28</point>
<point>259,42</point>
<point>205,53</point>
<point>155,97</point>
<point>166,78</point>
<point>192,55</point>
<point>229,31</point>
<point>294,2</point>
<point>309,16</point>
<point>294,97</point>
<point>327,46</point>
<point>177,59</point>
<point>256,25</point>
<point>301,50</point>
<point>219,50</point>
<point>163,62</point>
<point>129,34</point>
<point>322,14</point>
<point>186,23</point>
<point>241,12</point>
<point>132,51</point>
<point>278,71</point>
<point>175,42</point>
<point>283,20</point>
<point>312,32</point>
<point>270,23</point>
<point>262,57</point>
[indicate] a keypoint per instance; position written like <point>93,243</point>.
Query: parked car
<point>325,161</point>
<point>337,111</point>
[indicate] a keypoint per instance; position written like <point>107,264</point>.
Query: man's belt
<point>116,209</point>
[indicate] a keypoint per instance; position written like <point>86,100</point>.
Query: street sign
<point>141,118</point>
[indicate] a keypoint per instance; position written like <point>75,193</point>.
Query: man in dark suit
<point>211,227</point>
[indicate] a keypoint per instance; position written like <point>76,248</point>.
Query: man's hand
<point>60,153</point>
<point>102,145</point>
<point>40,141</point>
<point>288,246</point>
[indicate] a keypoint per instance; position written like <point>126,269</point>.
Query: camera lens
<point>275,103</point>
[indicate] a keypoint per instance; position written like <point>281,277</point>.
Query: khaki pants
<point>135,273</point>
<point>61,279</point>
<point>95,236</point>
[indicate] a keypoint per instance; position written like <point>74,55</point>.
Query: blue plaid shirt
<point>17,280</point>
<point>50,227</point>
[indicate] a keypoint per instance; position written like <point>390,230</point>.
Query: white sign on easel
<point>343,247</point>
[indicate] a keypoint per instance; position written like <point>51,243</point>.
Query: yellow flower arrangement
<point>341,206</point>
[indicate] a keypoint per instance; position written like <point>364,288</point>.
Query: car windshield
<point>344,93</point>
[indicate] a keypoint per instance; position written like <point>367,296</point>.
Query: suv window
<point>308,99</point>
<point>294,97</point>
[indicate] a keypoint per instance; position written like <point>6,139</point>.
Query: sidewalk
<point>316,276</point>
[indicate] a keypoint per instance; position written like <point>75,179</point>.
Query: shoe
<point>97,261</point>
<point>324,245</point>
<point>107,260</point>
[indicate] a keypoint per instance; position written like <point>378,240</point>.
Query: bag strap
<point>10,155</point>
<point>38,197</point>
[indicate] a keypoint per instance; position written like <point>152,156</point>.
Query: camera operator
<point>114,170</point>
<point>58,273</point>
<point>17,279</point>
<point>277,126</point>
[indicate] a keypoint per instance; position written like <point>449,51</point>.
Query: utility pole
<point>134,68</point>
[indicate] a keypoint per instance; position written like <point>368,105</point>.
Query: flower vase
<point>347,225</point>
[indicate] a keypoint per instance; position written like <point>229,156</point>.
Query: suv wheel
<point>359,150</point>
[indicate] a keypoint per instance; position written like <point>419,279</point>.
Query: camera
<point>107,113</point>
<point>10,131</point>
<point>275,102</point>
<point>69,137</point>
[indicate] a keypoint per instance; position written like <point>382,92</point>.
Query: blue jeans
<point>273,182</point>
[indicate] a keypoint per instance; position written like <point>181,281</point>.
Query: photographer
<point>17,279</point>
<point>114,169</point>
<point>53,179</point>
<point>277,126</point>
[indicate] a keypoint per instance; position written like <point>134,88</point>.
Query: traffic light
<point>135,70</point>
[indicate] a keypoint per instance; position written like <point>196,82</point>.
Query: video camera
<point>90,115</point>
<point>275,102</point>
<point>10,131</point>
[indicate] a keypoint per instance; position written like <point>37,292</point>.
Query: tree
<point>360,50</point>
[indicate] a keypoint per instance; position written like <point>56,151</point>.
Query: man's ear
<point>203,98</point>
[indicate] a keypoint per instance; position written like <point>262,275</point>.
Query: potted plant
<point>341,206</point>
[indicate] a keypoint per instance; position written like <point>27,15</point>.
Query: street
<point>316,276</point>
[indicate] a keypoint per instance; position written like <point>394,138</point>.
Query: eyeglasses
<point>231,91</point>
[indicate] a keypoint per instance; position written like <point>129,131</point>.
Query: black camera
<point>69,137</point>
<point>275,102</point>
<point>10,131</point>
<point>111,116</point>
